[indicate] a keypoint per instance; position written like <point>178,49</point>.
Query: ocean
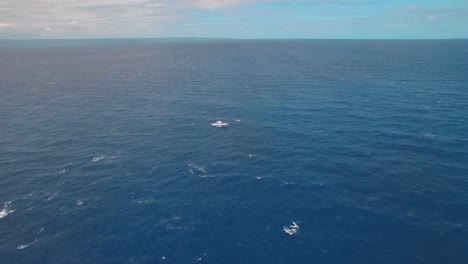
<point>337,151</point>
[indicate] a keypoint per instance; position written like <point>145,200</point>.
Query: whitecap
<point>259,178</point>
<point>201,258</point>
<point>197,168</point>
<point>372,198</point>
<point>146,201</point>
<point>20,247</point>
<point>175,223</point>
<point>291,229</point>
<point>176,218</point>
<point>170,227</point>
<point>103,157</point>
<point>23,246</point>
<point>208,176</point>
<point>428,135</point>
<point>98,158</point>
<point>12,149</point>
<point>52,196</point>
<point>79,202</point>
<point>62,171</point>
<point>6,210</point>
<point>27,196</point>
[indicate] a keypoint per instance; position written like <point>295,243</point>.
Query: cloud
<point>218,4</point>
<point>85,18</point>
<point>5,25</point>
<point>95,18</point>
<point>419,13</point>
<point>161,18</point>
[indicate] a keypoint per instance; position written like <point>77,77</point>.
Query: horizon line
<point>214,38</point>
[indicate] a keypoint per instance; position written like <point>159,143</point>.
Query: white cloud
<point>85,18</point>
<point>5,25</point>
<point>217,4</point>
<point>154,18</point>
<point>97,18</point>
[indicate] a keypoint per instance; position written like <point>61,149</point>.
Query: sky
<point>315,19</point>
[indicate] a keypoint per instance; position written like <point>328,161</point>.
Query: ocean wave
<point>103,157</point>
<point>23,246</point>
<point>176,223</point>
<point>428,135</point>
<point>373,198</point>
<point>171,227</point>
<point>151,170</point>
<point>146,201</point>
<point>52,196</point>
<point>27,196</point>
<point>10,149</point>
<point>6,210</point>
<point>201,257</point>
<point>98,158</point>
<point>20,247</point>
<point>197,169</point>
<point>208,176</point>
<point>292,229</point>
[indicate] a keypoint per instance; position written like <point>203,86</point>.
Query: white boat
<point>220,124</point>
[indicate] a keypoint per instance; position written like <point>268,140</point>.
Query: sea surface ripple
<point>337,152</point>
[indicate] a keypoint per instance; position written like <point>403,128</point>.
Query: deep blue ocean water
<point>107,154</point>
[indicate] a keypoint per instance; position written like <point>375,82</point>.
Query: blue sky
<point>234,18</point>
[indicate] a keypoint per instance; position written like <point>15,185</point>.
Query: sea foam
<point>103,157</point>
<point>20,247</point>
<point>291,229</point>
<point>6,210</point>
<point>197,169</point>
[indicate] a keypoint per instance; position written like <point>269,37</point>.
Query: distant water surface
<point>107,154</point>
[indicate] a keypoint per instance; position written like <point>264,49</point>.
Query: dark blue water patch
<point>107,154</point>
